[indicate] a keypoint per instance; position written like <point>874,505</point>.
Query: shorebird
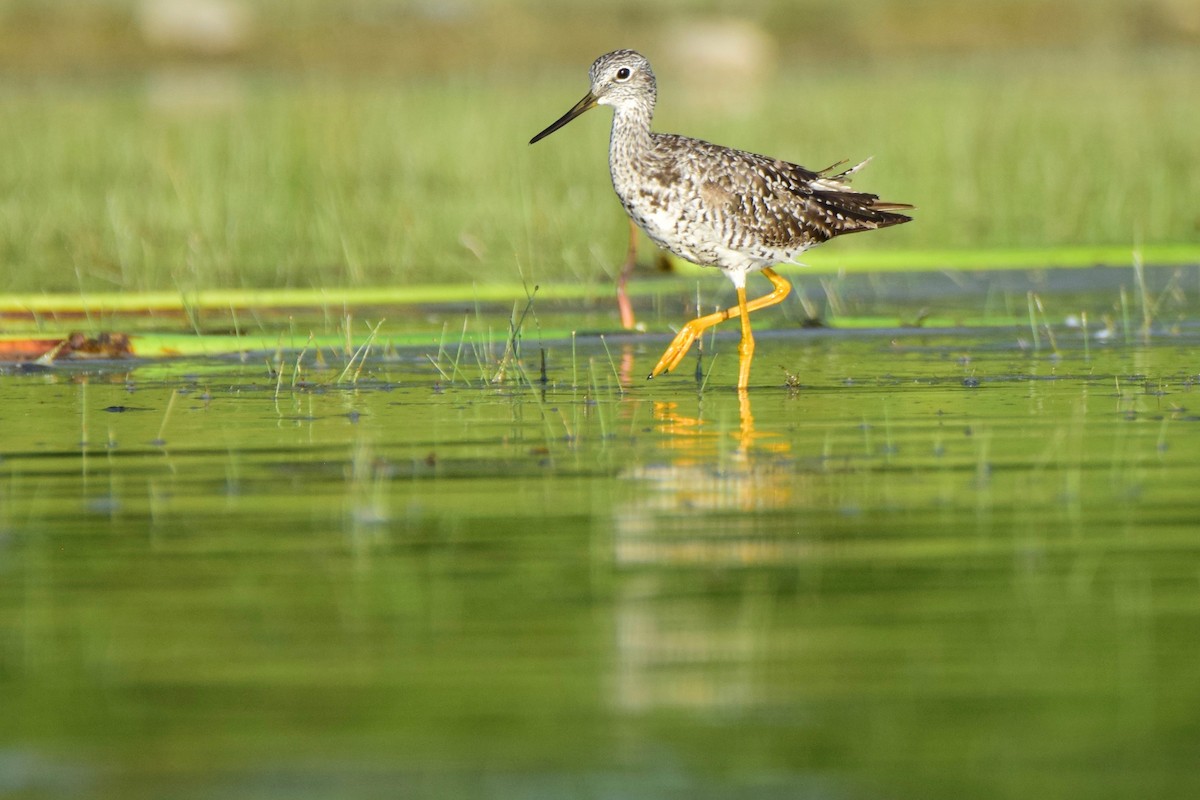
<point>716,206</point>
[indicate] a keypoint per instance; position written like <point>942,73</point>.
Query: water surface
<point>946,564</point>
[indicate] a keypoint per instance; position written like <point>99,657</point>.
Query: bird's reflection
<point>708,504</point>
<point>714,462</point>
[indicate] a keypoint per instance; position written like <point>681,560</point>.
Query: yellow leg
<point>628,322</point>
<point>693,328</point>
<point>746,345</point>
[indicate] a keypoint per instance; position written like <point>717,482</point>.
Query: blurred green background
<point>406,37</point>
<point>186,144</point>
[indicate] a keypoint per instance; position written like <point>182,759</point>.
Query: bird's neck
<point>630,131</point>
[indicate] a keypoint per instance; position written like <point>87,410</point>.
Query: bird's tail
<point>871,211</point>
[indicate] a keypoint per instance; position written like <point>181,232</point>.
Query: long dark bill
<point>588,101</point>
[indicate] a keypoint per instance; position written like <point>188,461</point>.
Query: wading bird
<point>715,206</point>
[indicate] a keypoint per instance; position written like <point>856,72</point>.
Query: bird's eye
<point>623,74</point>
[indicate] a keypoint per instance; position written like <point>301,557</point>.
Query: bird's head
<point>621,78</point>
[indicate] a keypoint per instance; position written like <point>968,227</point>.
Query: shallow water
<point>949,564</point>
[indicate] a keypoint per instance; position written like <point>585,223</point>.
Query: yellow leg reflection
<point>709,491</point>
<point>746,419</point>
<point>707,465</point>
<point>695,435</point>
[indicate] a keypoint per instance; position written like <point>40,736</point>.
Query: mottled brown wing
<point>783,205</point>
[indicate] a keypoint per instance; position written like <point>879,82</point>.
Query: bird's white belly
<point>671,230</point>
<point>697,241</point>
<point>674,234</point>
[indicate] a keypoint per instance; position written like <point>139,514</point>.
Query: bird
<point>716,206</point>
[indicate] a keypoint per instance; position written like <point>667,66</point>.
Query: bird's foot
<point>678,348</point>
